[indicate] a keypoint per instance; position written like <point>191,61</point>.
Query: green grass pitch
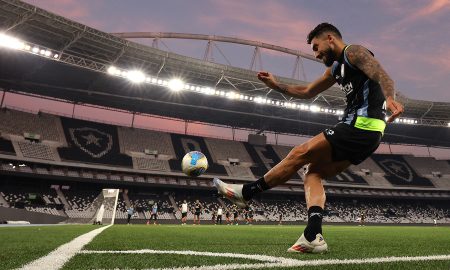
<point>21,245</point>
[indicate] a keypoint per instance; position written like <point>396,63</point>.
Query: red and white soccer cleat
<point>232,192</point>
<point>302,245</point>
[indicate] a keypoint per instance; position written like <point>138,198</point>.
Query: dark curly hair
<point>322,28</point>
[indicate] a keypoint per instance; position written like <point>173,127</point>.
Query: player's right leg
<point>312,241</point>
<point>317,149</point>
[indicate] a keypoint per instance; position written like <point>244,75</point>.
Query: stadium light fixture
<point>314,108</point>
<point>11,42</point>
<point>175,85</point>
<point>231,95</point>
<point>135,76</point>
<point>113,70</point>
<point>178,84</point>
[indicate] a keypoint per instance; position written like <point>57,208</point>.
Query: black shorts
<point>235,216</point>
<point>183,215</point>
<point>154,216</point>
<point>197,214</point>
<point>352,144</point>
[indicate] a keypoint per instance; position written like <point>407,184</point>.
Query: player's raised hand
<point>395,108</point>
<point>268,79</point>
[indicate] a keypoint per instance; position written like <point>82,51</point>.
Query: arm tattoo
<point>362,59</point>
<point>283,88</point>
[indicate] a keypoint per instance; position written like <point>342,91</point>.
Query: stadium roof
<point>94,51</point>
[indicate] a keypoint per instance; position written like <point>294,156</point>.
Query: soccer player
<point>130,212</point>
<point>227,217</point>
<point>236,215</point>
<point>219,216</point>
<point>362,218</point>
<point>184,211</point>
<point>369,91</point>
<point>249,216</point>
<point>198,209</point>
<point>154,214</point>
<point>280,219</point>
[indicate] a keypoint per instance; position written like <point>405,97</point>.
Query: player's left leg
<point>312,240</point>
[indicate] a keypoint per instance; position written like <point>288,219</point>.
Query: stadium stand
<point>239,171</point>
<point>150,164</point>
<point>37,150</point>
<point>91,142</point>
<point>424,166</point>
<point>6,147</point>
<point>222,150</point>
<point>367,165</point>
<point>184,144</point>
<point>265,157</point>
<point>347,177</point>
<point>81,200</point>
<point>398,172</point>
<point>138,140</point>
<point>32,197</point>
<point>18,123</point>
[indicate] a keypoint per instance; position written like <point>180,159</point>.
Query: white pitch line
<point>270,261</point>
<point>263,258</point>
<point>58,257</point>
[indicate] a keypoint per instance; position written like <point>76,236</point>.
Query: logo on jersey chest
<point>347,88</point>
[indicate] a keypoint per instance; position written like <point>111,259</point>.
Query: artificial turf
<point>345,242</point>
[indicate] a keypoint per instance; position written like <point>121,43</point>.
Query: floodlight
<point>175,84</point>
<point>10,42</point>
<point>314,108</point>
<point>136,76</point>
<point>112,70</point>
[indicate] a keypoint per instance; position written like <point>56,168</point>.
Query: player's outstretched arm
<point>298,91</point>
<point>361,58</point>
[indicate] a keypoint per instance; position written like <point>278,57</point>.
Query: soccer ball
<point>194,163</point>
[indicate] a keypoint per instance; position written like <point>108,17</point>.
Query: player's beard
<point>329,58</point>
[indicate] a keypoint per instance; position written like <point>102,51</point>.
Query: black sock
<point>249,190</point>
<point>314,223</point>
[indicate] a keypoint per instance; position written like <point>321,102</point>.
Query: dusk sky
<point>411,38</point>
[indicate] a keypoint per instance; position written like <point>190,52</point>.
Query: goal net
<point>98,210</point>
<point>105,205</point>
